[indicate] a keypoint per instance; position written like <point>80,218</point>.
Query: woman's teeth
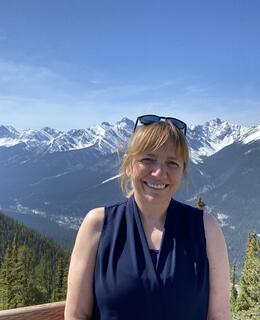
<point>156,186</point>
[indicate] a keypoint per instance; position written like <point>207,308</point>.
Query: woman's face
<point>156,175</point>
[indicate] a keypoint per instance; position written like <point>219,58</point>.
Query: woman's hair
<point>150,138</point>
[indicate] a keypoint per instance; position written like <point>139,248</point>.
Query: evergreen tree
<point>24,286</point>
<point>43,280</point>
<point>65,278</point>
<point>234,293</point>
<point>248,301</point>
<point>59,292</point>
<point>8,278</point>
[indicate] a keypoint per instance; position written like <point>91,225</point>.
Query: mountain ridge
<point>106,138</point>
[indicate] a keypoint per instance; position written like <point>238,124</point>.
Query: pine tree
<point>59,291</point>
<point>8,278</point>
<point>5,280</point>
<point>248,301</point>
<point>26,293</point>
<point>234,293</point>
<point>43,280</point>
<point>65,278</point>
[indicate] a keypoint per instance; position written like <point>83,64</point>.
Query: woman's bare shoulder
<point>214,236</point>
<point>94,220</point>
<point>90,231</point>
<point>211,224</point>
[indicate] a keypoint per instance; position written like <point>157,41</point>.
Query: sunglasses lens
<point>149,119</point>
<point>177,123</point>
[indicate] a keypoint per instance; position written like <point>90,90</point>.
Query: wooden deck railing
<point>50,311</point>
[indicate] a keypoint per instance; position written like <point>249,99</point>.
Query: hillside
<point>39,244</point>
<point>33,269</point>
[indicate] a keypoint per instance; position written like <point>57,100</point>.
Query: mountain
<point>213,136</point>
<point>104,137</point>
<point>52,178</point>
<point>232,191</point>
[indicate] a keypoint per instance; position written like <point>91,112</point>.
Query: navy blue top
<point>127,285</point>
<point>154,254</point>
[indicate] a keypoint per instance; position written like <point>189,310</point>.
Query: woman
<point>150,257</point>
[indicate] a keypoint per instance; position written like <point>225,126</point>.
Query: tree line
<point>33,269</point>
<point>22,283</point>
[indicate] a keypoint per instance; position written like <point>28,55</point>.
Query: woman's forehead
<point>168,149</point>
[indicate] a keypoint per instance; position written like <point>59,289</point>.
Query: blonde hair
<point>152,137</point>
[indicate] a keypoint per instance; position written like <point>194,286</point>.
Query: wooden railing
<point>50,311</point>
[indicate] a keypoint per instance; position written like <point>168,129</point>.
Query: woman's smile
<point>155,186</point>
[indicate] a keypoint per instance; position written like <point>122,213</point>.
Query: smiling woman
<point>150,257</point>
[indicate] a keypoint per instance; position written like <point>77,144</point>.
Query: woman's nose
<point>159,169</point>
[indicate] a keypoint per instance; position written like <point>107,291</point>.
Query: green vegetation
<point>246,303</point>
<point>33,269</point>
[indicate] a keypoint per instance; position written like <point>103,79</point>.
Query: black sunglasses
<point>151,118</point>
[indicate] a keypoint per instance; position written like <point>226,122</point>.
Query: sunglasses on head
<point>151,118</point>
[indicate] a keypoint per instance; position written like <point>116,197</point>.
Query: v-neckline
<point>152,268</point>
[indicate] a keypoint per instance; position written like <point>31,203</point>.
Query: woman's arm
<point>79,302</point>
<point>219,308</point>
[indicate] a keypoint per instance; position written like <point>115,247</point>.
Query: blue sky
<point>72,64</point>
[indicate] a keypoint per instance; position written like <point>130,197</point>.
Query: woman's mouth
<point>156,186</point>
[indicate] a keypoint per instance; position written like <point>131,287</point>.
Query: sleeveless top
<point>128,286</point>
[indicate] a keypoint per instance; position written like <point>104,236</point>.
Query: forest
<point>33,269</point>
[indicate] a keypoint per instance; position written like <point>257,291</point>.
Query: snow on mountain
<point>8,132</point>
<point>204,140</point>
<point>213,136</point>
<point>105,137</point>
<point>111,138</point>
<point>110,179</point>
<point>71,140</point>
<point>8,136</point>
<point>253,134</point>
<point>52,132</point>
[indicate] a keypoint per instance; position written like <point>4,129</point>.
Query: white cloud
<point>28,81</point>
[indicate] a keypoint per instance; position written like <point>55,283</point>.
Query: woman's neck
<point>152,214</point>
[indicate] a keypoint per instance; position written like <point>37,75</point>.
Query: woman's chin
<point>156,196</point>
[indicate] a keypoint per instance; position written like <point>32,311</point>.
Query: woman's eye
<point>173,164</point>
<point>147,161</point>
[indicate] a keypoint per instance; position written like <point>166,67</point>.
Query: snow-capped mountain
<point>105,138</point>
<point>214,135</point>
<point>58,176</point>
<point>8,136</point>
